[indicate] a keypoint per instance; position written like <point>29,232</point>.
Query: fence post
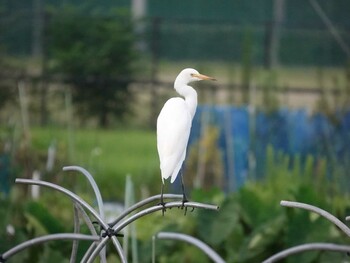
<point>273,33</point>
<point>154,69</point>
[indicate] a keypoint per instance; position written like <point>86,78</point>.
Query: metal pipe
<point>93,185</point>
<point>102,245</point>
<point>98,196</point>
<point>66,192</point>
<point>152,209</point>
<point>194,241</point>
<point>46,238</point>
<point>75,244</point>
<point>88,252</point>
<point>319,211</point>
<point>80,201</point>
<point>97,250</point>
<point>118,227</point>
<point>86,219</point>
<point>306,247</point>
<point>142,203</point>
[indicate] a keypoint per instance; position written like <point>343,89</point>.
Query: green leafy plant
<point>251,225</point>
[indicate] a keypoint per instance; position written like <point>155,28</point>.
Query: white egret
<point>174,125</point>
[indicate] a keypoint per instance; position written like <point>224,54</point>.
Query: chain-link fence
<point>215,31</point>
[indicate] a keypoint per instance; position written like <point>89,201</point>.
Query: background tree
<point>8,69</point>
<point>96,54</point>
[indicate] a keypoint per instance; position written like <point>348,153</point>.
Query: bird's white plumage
<point>174,124</point>
<point>172,136</point>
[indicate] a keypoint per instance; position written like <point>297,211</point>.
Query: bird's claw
<point>183,205</point>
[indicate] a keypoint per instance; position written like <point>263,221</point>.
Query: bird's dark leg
<point>162,203</point>
<point>184,197</point>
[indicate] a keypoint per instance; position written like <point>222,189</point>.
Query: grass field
<point>109,155</point>
<point>291,76</point>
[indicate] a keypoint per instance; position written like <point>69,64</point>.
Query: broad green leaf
<point>263,241</point>
<point>215,227</point>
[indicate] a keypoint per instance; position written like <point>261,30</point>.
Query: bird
<point>174,125</point>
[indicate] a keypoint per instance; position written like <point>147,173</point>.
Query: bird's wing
<point>173,130</point>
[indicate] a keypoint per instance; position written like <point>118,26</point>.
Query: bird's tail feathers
<point>173,176</point>
<point>170,167</point>
<point>165,174</point>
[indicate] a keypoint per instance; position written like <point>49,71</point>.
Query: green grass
<point>109,155</point>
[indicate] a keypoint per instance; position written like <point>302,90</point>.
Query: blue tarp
<point>245,133</point>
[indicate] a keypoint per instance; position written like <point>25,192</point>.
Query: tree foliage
<point>96,54</point>
<point>7,68</point>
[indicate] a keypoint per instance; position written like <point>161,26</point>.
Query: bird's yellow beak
<point>203,77</point>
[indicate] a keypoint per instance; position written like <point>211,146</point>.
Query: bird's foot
<point>162,203</point>
<point>184,200</point>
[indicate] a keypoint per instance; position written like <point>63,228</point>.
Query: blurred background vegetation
<point>82,83</point>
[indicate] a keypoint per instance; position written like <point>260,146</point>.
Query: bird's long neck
<point>190,96</point>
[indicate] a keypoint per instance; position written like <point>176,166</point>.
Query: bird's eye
<point>192,75</point>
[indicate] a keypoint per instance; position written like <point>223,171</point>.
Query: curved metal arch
<point>319,211</point>
<point>82,203</point>
<point>117,228</point>
<point>38,240</point>
<point>306,247</point>
<point>194,241</point>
